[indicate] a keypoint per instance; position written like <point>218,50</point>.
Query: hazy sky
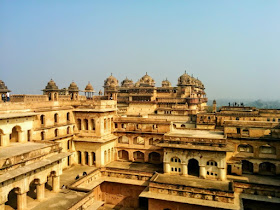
<point>233,47</point>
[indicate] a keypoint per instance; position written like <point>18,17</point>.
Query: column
<point>82,124</point>
<point>21,201</point>
<point>40,189</point>
<point>83,158</point>
<point>21,136</point>
<point>222,174</point>
<point>2,206</point>
<point>90,161</point>
<point>56,183</point>
<point>185,169</point>
<point>166,167</point>
<point>202,172</point>
<point>256,168</point>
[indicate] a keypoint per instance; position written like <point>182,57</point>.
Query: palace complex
<point>137,146</point>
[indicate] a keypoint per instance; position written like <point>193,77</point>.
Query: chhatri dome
<point>165,83</point>
<point>3,87</point>
<point>51,85</point>
<point>73,87</point>
<point>111,82</point>
<point>147,81</point>
<point>89,88</point>
<point>127,83</point>
<point>184,79</point>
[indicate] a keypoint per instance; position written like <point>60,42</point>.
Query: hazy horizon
<point>233,47</point>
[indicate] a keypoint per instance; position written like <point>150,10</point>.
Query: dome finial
<point>111,74</point>
<point>185,71</point>
<point>146,73</point>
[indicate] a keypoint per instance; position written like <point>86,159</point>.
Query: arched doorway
<point>123,155</point>
<point>138,156</point>
<point>247,167</point>
<point>154,157</point>
<point>14,136</point>
<point>12,199</point>
<point>79,157</point>
<point>93,158</point>
<point>79,124</point>
<point>193,167</point>
<point>267,168</point>
<point>86,158</point>
<point>32,190</point>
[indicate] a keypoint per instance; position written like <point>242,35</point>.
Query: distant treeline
<point>261,104</point>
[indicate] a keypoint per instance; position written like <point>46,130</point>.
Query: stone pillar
<point>21,136</point>
<point>166,167</point>
<point>82,124</point>
<point>21,201</point>
<point>222,174</point>
<point>202,172</point>
<point>40,189</point>
<point>56,183</point>
<point>185,169</point>
<point>256,168</point>
<point>90,161</point>
<point>146,157</point>
<point>83,158</point>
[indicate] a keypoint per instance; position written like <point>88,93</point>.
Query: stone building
<point>143,147</point>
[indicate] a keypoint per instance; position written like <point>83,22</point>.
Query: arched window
<point>68,116</point>
<point>55,118</point>
<point>212,163</point>
<point>139,140</point>
<point>43,135</point>
<point>56,133</point>
<point>245,148</point>
<point>267,149</point>
<point>93,124</point>
<point>175,160</point>
<point>68,130</point>
<point>123,140</point>
<point>42,119</point>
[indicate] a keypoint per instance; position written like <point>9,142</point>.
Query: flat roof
<point>96,110</point>
<point>196,133</point>
<point>15,149</point>
<point>17,115</point>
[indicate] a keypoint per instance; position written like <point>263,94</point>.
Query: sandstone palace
<point>136,146</point>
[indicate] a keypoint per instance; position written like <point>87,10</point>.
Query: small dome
<point>89,88</point>
<point>51,85</point>
<point>185,79</point>
<point>127,82</point>
<point>147,81</point>
<point>166,83</point>
<point>73,87</point>
<point>111,82</point>
<point>3,87</point>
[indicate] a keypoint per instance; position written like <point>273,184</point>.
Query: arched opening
<point>267,168</point>
<point>112,155</point>
<point>154,157</point>
<point>109,155</point>
<point>123,140</point>
<point>86,124</point>
<point>93,124</point>
<point>32,193</point>
<point>55,96</point>
<point>43,135</point>
<point>267,149</point>
<point>55,118</point>
<point>79,157</point>
<point>93,158</point>
<point>138,156</point>
<point>247,167</point>
<point>68,130</point>
<point>42,119</point>
<point>14,136</point>
<point>56,133</point>
<point>79,124</point>
<point>68,144</point>
<point>193,167</point>
<point>245,148</point>
<point>12,199</point>
<point>86,158</point>
<point>123,155</point>
<point>68,116</point>
<point>105,124</point>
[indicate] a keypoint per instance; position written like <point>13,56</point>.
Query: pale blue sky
<point>232,46</point>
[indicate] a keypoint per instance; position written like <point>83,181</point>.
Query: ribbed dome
<point>89,88</point>
<point>73,87</point>
<point>111,82</point>
<point>147,81</point>
<point>127,83</point>
<point>3,87</point>
<point>51,85</point>
<point>184,79</point>
<point>166,83</point>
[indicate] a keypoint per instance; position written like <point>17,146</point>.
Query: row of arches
<point>86,124</point>
<point>137,140</point>
<point>16,134</point>
<point>86,158</point>
<point>139,156</point>
<point>264,149</point>
<point>265,168</point>
<point>19,198</point>
<point>56,118</point>
<point>56,133</point>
